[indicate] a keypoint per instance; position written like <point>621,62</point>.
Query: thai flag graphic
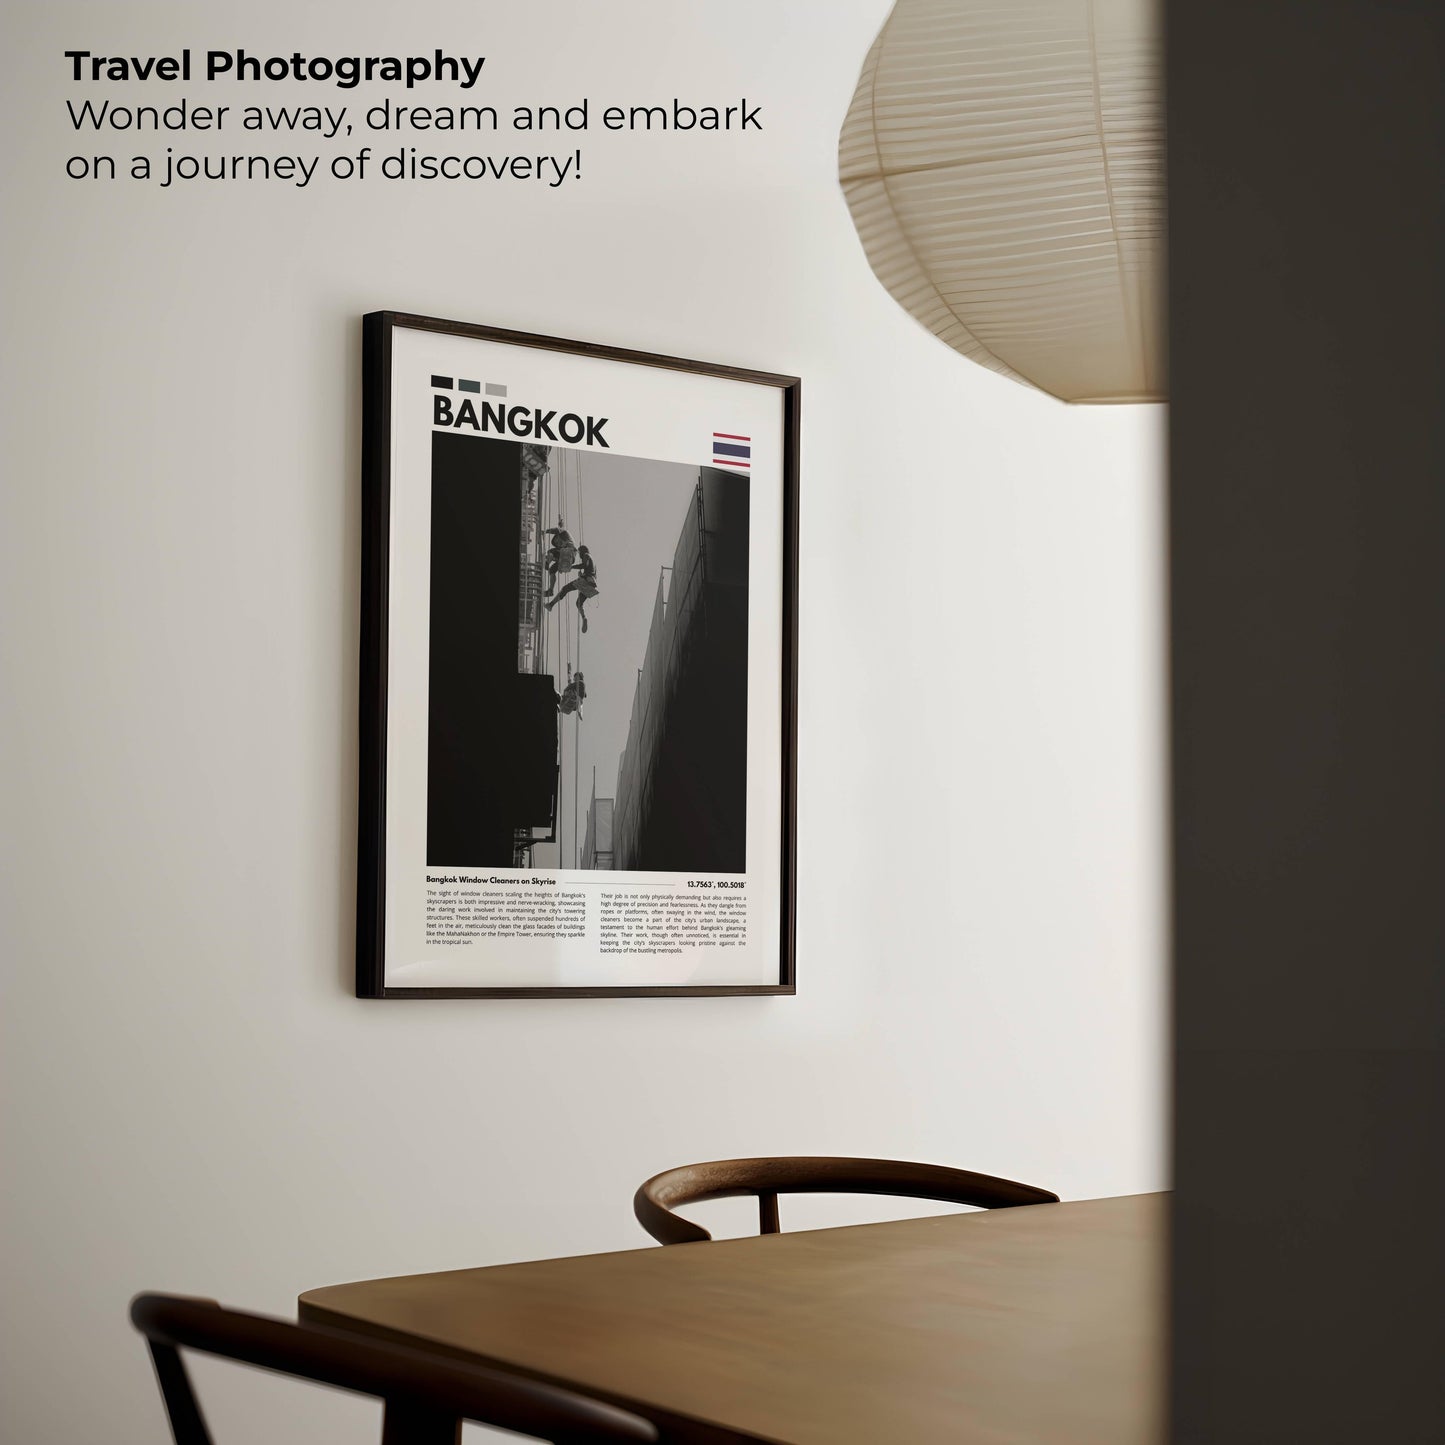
<point>730,450</point>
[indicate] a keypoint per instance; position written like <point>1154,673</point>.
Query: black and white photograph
<point>579,669</point>
<point>588,660</point>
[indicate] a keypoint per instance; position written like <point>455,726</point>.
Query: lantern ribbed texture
<point>1003,163</point>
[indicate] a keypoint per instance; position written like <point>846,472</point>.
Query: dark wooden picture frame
<point>377,482</point>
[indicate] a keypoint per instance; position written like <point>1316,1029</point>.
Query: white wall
<point>194,1100</point>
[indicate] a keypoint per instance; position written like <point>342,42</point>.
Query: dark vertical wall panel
<point>1308,580</point>
<point>683,784</point>
<point>472,723</point>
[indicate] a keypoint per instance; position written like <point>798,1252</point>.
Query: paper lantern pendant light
<point>1003,163</point>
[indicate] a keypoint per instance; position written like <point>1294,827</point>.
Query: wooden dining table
<point>1034,1326</point>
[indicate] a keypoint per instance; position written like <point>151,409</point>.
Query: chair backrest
<point>426,1397</point>
<point>767,1178</point>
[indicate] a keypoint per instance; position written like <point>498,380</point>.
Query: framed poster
<point>579,669</point>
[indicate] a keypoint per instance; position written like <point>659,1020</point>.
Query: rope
<point>543,493</point>
<point>577,719</point>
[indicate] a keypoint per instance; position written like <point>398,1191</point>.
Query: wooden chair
<point>425,1397</point>
<point>767,1178</point>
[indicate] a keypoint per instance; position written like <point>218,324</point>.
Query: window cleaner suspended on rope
<point>573,695</point>
<point>561,555</point>
<point>584,586</point>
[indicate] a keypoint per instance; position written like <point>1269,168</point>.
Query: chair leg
<point>405,1423</point>
<point>188,1425</point>
<point>768,1211</point>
